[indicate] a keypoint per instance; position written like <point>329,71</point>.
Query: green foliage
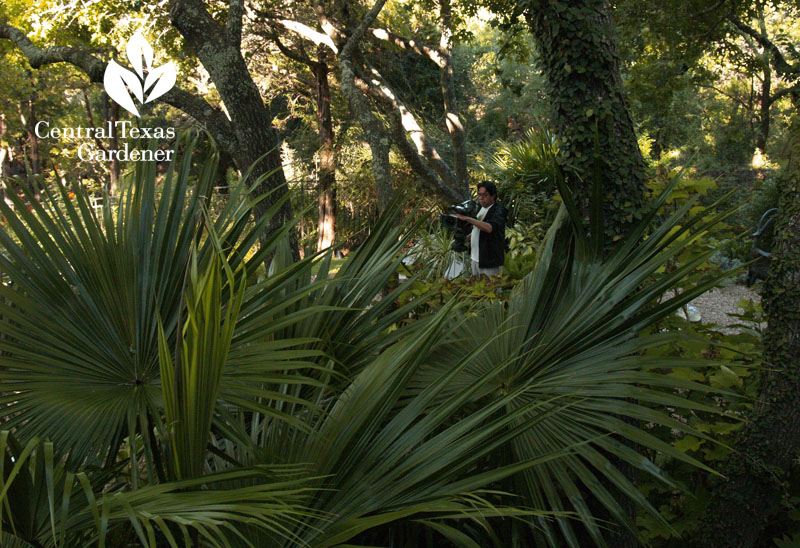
<point>726,238</point>
<point>737,350</point>
<point>525,171</point>
<point>507,93</point>
<point>400,412</point>
<point>119,272</point>
<point>523,243</point>
<point>764,197</point>
<point>466,289</point>
<point>283,379</point>
<point>334,413</point>
<point>191,383</point>
<point>787,541</point>
<point>432,252</point>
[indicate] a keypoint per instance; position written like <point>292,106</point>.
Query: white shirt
<point>475,236</point>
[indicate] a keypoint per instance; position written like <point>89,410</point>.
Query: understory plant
<point>736,351</point>
<point>526,172</point>
<point>155,391</point>
<point>432,256</point>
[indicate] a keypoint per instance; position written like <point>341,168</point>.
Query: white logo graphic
<point>149,81</point>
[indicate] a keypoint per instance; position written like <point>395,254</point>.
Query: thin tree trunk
<point>27,115</point>
<point>765,103</point>
<point>225,162</point>
<point>116,167</point>
<point>765,100</point>
<point>326,197</point>
<point>454,124</point>
<point>113,168</point>
<point>326,191</point>
<point>741,507</point>
<point>5,164</point>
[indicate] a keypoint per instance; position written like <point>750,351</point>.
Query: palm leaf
<point>83,513</point>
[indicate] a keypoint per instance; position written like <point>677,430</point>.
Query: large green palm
<point>194,403</point>
<point>577,329</point>
<point>80,329</point>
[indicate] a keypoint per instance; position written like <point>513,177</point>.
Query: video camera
<point>461,229</point>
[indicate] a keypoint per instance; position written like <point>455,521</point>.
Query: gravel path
<point>715,305</point>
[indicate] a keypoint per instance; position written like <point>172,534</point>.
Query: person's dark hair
<point>490,187</point>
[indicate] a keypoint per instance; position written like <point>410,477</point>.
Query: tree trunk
<point>374,132</point>
<point>741,507</point>
<point>765,99</point>
<point>578,48</point>
<point>112,115</point>
<point>454,124</point>
<point>765,103</point>
<point>326,190</point>
<point>254,139</point>
<point>577,42</point>
<point>27,115</point>
<point>5,163</point>
<point>326,197</point>
<point>225,163</point>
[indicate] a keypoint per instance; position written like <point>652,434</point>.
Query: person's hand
<point>460,216</point>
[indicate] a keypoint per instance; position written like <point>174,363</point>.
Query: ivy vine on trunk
<point>591,117</point>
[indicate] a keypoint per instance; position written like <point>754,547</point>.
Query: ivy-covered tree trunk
<point>578,48</point>
<point>742,506</point>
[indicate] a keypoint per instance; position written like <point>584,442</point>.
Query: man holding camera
<point>488,232</point>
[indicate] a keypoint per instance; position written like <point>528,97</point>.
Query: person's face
<point>484,198</point>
